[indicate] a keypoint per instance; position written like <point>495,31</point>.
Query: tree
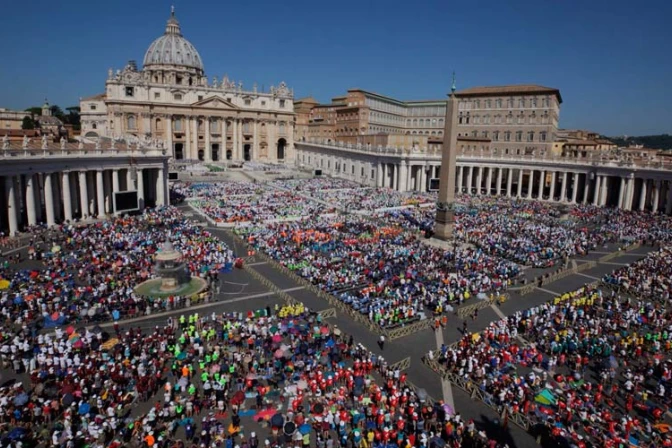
<point>57,112</point>
<point>73,118</point>
<point>35,111</point>
<point>28,123</point>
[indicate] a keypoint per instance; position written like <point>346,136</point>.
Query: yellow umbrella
<point>4,284</point>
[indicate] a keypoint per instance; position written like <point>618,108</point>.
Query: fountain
<point>173,279</point>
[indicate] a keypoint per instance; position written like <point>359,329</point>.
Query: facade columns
<point>460,178</point>
<point>225,141</point>
<point>630,193</point>
<point>67,197</point>
<point>423,178</point>
<point>83,194</point>
<point>575,186</point>
<point>169,135</point>
<point>479,180</point>
<point>621,193</point>
<point>542,184</point>
<point>379,175</point>
<point>30,200</point>
<point>194,145</point>
<point>49,198</point>
<point>100,193</point>
<point>255,144</point>
<point>234,149</point>
<point>402,176</point>
<point>586,188</point>
<point>642,195</point>
<point>207,154</point>
<point>520,183</point>
<point>12,211</point>
<point>140,188</point>
<point>470,178</point>
<point>115,181</point>
<point>160,188</point>
<point>530,184</point>
<point>655,196</point>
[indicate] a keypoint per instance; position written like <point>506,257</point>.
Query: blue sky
<point>610,59</point>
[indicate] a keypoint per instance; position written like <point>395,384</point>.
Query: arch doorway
<point>247,153</point>
<point>201,155</point>
<point>179,151</point>
<point>215,152</point>
<point>282,143</point>
<point>91,134</point>
<point>229,154</point>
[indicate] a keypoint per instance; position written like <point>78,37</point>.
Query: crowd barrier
<point>467,310</point>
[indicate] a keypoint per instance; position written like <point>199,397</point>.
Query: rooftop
<point>508,90</point>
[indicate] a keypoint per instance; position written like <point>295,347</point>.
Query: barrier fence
<point>467,310</point>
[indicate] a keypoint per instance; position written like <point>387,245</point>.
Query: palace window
<point>521,118</point>
<point>474,133</point>
<point>248,102</point>
<point>488,104</point>
<point>519,136</point>
<point>92,106</point>
<point>542,136</point>
<point>509,103</point>
<point>130,122</point>
<point>157,95</point>
<point>129,91</point>
<point>282,104</point>
<point>484,134</point>
<point>177,97</point>
<point>533,102</point>
<point>94,126</point>
<point>544,118</point>
<point>507,136</point>
<point>477,119</point>
<point>533,118</point>
<point>521,102</point>
<point>498,103</point>
<point>530,136</point>
<point>477,104</point>
<point>495,136</point>
<point>546,102</point>
<point>509,118</point>
<point>263,103</point>
<point>159,124</point>
<point>200,97</point>
<point>178,124</point>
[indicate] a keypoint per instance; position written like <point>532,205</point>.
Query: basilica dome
<point>172,49</point>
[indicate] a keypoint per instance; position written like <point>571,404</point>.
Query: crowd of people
<point>389,275</point>
<point>216,190</point>
<point>650,277</point>
<point>268,205</point>
<point>90,271</point>
<point>315,184</point>
<point>203,380</point>
<point>592,366</point>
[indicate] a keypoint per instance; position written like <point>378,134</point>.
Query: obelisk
<point>445,214</point>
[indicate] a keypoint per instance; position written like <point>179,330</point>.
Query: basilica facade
<point>172,102</point>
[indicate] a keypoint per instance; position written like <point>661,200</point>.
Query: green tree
<point>73,118</point>
<point>28,123</point>
<point>57,112</point>
<point>35,111</point>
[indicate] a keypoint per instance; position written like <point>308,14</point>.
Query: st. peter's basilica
<point>172,101</point>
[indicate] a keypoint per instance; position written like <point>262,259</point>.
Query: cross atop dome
<point>173,26</point>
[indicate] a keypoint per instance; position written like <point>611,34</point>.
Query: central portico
<point>171,99</point>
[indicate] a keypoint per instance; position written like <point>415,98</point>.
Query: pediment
<point>215,102</point>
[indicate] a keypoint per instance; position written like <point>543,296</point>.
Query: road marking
<point>613,263</point>
<point>587,276</point>
<point>195,307</point>
<point>497,311</point>
<point>11,251</point>
<point>548,291</point>
<point>258,263</point>
<point>446,386</point>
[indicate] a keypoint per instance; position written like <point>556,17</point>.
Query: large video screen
<point>125,201</point>
<point>434,184</point>
<point>173,176</point>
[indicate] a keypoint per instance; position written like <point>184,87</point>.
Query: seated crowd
<point>205,378</point>
<point>90,270</point>
<point>390,275</point>
<point>591,365</point>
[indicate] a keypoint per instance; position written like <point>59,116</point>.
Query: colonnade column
<point>460,178</point>
<point>488,182</point>
<point>83,194</point>
<point>67,198</point>
<point>234,149</point>
<point>586,188</point>
<point>100,193</point>
<point>402,173</point>
<point>49,198</point>
<point>642,195</point>
<point>500,176</point>
<point>655,196</point>
<point>470,178</point>
<point>222,152</point>
<point>520,183</point>
<point>542,182</point>
<point>194,145</point>
<point>509,182</point>
<point>479,181</point>
<point>631,193</point>
<point>575,186</point>
<point>255,144</point>
<point>423,178</point>
<point>530,184</point>
<point>379,175</point>
<point>596,193</point>
<point>395,176</point>
<point>30,200</point>
<point>551,193</point>
<point>604,195</point>
<point>563,188</point>
<point>12,211</point>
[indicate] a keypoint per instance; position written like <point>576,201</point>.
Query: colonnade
<point>406,176</point>
<point>61,196</point>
